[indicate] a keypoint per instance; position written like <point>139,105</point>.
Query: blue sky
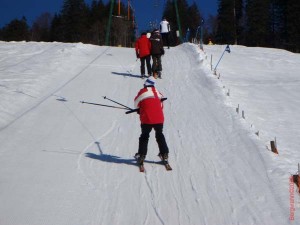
<point>145,10</point>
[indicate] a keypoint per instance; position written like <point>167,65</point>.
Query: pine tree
<point>74,18</point>
<point>258,20</point>
<point>16,30</point>
<point>239,21</point>
<point>278,23</point>
<point>57,29</point>
<point>292,24</point>
<point>226,31</point>
<point>97,22</point>
<point>40,30</point>
<point>194,19</point>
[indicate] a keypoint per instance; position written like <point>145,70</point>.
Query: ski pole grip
<point>132,111</point>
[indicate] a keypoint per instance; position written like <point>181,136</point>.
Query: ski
<point>140,165</point>
<point>165,163</point>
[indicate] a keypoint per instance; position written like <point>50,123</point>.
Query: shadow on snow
<point>116,159</point>
<point>126,74</point>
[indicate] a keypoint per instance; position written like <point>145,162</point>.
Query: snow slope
<point>63,162</point>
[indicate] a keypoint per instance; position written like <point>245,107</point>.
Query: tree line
<point>263,23</point>
<point>76,22</point>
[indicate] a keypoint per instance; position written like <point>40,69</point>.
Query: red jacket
<point>143,46</point>
<point>148,100</point>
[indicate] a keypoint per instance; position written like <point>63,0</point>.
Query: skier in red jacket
<point>142,49</point>
<point>149,102</point>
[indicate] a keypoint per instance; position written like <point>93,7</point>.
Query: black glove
<point>137,55</point>
<point>162,51</point>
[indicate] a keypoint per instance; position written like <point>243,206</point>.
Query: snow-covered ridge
<point>63,162</point>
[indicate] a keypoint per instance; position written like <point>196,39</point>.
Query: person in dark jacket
<point>157,50</point>
<point>150,105</point>
<point>142,49</point>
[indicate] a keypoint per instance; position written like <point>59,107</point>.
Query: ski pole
<point>136,110</point>
<point>117,103</point>
<point>111,106</point>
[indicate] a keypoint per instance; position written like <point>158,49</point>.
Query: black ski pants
<point>156,65</point>
<point>160,138</point>
<point>146,59</point>
<point>165,38</point>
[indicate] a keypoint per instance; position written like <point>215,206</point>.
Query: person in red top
<point>142,49</point>
<point>150,105</point>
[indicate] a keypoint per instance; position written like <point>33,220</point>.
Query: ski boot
<point>159,74</point>
<point>140,158</point>
<point>163,156</point>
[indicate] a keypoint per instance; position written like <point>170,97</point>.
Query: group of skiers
<point>146,48</point>
<point>149,100</point>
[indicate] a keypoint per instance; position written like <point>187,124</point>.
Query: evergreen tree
<point>41,28</point>
<point>258,22</point>
<point>278,22</point>
<point>16,30</point>
<point>293,25</point>
<point>226,30</point>
<point>75,20</point>
<point>193,19</point>
<point>97,22</point>
<point>239,21</point>
<point>57,29</point>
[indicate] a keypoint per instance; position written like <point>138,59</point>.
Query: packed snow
<point>63,162</point>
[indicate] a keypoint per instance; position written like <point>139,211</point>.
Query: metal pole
<point>109,22</point>
<point>226,49</point>
<point>117,102</point>
<point>201,34</point>
<point>178,21</point>
<point>111,106</point>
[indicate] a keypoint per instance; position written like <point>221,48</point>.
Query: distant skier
<point>165,30</point>
<point>157,50</point>
<point>142,49</point>
<point>149,102</point>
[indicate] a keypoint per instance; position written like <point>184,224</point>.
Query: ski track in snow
<point>219,171</point>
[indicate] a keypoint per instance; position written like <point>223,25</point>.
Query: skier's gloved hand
<point>137,55</point>
<point>162,51</point>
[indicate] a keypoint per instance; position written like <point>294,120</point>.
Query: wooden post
<point>273,147</point>
<point>298,178</point>
<point>228,92</point>
<point>238,109</point>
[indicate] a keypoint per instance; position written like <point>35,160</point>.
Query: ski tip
<point>142,168</point>
<point>169,168</point>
